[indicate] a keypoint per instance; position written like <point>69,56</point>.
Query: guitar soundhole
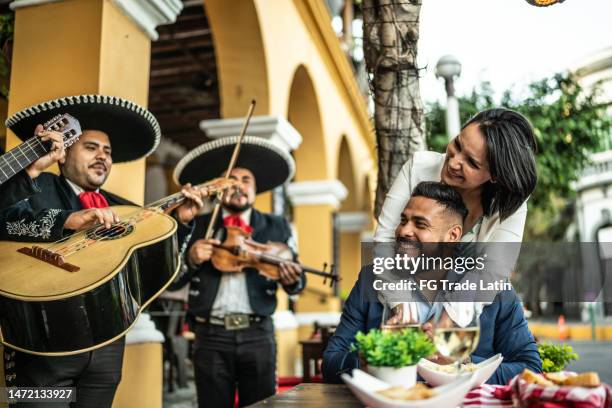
<point>114,232</point>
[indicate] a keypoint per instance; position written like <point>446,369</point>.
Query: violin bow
<point>232,163</point>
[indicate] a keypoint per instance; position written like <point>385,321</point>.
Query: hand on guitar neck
<point>57,152</point>
<point>190,207</point>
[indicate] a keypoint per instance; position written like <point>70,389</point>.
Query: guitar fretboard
<point>20,157</point>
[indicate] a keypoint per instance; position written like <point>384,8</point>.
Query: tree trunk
<point>391,32</point>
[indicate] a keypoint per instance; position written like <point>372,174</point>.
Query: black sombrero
<point>271,165</point>
<point>133,130</point>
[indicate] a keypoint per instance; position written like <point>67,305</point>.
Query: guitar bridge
<point>49,257</point>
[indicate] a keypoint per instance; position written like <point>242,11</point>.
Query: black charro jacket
<point>205,279</point>
<point>17,188</point>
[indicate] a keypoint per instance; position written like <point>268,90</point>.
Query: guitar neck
<point>167,204</point>
<point>20,157</point>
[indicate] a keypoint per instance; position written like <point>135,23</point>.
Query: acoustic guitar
<point>88,289</point>
<point>20,157</point>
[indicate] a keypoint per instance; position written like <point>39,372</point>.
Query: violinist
<point>235,347</point>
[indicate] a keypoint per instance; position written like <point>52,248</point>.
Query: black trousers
<point>228,359</point>
<point>95,374</point>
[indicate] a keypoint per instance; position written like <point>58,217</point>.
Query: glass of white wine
<point>456,331</point>
<point>399,316</point>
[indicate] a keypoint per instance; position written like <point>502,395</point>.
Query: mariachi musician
<point>23,184</point>
<point>234,344</point>
<point>115,130</point>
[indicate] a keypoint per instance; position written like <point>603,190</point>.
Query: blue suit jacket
<point>503,329</point>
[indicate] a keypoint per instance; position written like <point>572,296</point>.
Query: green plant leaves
<point>556,356</point>
<point>395,349</point>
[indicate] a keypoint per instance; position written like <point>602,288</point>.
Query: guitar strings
<point>31,143</point>
<point>82,243</point>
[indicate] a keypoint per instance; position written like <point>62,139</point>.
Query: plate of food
<point>438,374</point>
<point>377,394</point>
<point>564,388</point>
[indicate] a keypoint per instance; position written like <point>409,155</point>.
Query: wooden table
<point>313,395</point>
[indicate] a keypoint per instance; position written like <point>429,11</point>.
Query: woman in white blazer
<point>491,163</point>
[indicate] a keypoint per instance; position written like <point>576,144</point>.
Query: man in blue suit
<point>435,213</point>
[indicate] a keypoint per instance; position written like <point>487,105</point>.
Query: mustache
<point>99,162</point>
<point>236,194</point>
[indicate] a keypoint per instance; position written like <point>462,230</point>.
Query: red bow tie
<point>236,221</point>
<point>92,199</point>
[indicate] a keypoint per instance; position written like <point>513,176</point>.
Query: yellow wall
<point>260,45</point>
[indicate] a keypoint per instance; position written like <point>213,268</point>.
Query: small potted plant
<point>393,356</point>
<point>556,356</point>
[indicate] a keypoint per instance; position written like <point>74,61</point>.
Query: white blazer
<point>427,166</point>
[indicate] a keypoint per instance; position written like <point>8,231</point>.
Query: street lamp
<point>449,67</point>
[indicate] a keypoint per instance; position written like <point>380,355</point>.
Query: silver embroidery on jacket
<point>34,229</point>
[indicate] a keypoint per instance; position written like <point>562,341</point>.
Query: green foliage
<point>394,349</point>
<point>556,356</point>
<point>569,125</point>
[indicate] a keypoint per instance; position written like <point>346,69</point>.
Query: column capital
<point>17,4</point>
<point>274,128</point>
<point>145,14</point>
<point>151,13</point>
<point>317,192</point>
<point>144,331</point>
<point>354,221</point>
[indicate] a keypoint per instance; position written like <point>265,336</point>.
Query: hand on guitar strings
<point>84,219</point>
<point>56,154</point>
<point>192,206</point>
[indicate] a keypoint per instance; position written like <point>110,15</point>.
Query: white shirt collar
<point>245,215</point>
<point>77,189</point>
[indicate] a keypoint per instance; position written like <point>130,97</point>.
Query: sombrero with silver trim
<point>271,165</point>
<point>133,130</point>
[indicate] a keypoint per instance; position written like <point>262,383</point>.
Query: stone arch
<point>346,175</point>
<point>304,114</point>
<point>240,57</point>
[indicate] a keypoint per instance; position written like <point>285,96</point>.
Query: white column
<point>354,221</point>
<point>317,192</point>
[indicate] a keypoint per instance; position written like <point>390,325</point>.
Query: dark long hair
<point>511,147</point>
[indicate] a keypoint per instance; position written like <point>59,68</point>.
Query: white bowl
<point>401,377</point>
<point>484,371</point>
<point>364,386</point>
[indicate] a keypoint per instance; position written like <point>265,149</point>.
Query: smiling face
<point>88,161</point>
<point>425,220</point>
<point>466,166</point>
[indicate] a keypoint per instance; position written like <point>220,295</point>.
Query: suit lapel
<point>67,195</point>
<point>257,223</point>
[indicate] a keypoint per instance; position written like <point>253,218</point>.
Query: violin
<point>240,251</point>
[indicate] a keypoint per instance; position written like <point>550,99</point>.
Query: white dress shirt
<point>233,296</point>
